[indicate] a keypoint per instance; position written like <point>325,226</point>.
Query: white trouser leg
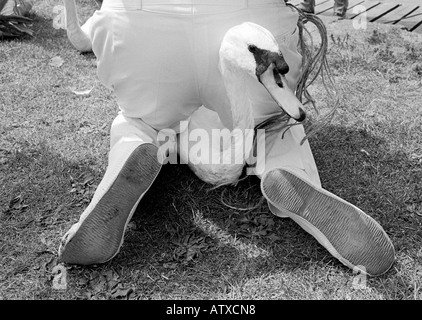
<point>285,151</point>
<point>125,136</point>
<point>291,185</point>
<point>125,130</point>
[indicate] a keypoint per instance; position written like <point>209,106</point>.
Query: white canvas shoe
<point>348,233</point>
<point>98,235</point>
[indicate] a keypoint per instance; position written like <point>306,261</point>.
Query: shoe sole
<point>100,236</point>
<point>348,233</point>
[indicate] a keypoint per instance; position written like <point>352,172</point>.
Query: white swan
<point>76,34</point>
<point>247,50</point>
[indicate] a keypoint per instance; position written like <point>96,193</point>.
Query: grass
<point>183,242</point>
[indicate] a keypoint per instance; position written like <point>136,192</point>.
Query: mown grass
<point>183,242</point>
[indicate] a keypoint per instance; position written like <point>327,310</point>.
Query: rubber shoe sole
<point>100,235</point>
<point>348,233</point>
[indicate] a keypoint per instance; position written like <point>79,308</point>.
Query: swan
<point>76,34</point>
<point>247,51</point>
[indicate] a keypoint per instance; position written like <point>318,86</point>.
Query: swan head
<point>253,49</point>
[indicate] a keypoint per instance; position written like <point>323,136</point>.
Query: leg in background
<point>340,8</point>
<point>307,6</point>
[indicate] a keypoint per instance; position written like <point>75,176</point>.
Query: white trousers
<point>161,60</point>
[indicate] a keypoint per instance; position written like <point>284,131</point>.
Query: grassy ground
<point>183,242</point>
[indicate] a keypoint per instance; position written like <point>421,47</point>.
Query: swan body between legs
<point>248,51</point>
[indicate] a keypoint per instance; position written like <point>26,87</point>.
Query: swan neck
<point>241,109</point>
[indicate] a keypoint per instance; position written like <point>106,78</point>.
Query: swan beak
<point>276,85</point>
